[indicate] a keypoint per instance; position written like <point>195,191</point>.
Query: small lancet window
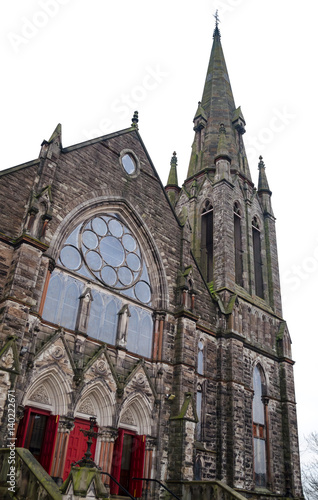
<point>207,241</point>
<point>259,286</point>
<point>200,358</point>
<point>238,245</point>
<point>129,164</point>
<point>259,428</point>
<point>199,412</point>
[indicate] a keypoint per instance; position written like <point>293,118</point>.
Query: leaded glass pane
<point>70,306</point>
<point>142,292</point>
<point>145,336</point>
<point>258,406</point>
<point>200,358</point>
<point>62,300</point>
<point>260,462</point>
<point>133,331</point>
<point>51,306</point>
<point>199,413</point>
<point>110,325</point>
<point>95,316</point>
<point>70,257</point>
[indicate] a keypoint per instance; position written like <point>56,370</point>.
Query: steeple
<point>217,106</point>
<point>263,190</point>
<point>172,188</point>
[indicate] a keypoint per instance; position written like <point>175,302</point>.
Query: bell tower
<point>232,223</point>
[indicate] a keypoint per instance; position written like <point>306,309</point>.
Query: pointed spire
<point>173,175</point>
<point>264,192</point>
<point>262,178</point>
<point>217,106</point>
<point>172,188</point>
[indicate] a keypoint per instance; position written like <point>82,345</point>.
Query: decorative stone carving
<point>41,396</point>
<point>190,413</point>
<point>87,407</point>
<point>57,352</point>
<point>7,359</point>
<point>128,418</point>
<point>141,379</point>
<point>101,367</point>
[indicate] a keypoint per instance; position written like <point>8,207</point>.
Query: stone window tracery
<point>102,260</point>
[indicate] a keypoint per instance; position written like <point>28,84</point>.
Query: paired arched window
<point>207,241</point>
<point>238,245</point>
<point>99,270</point>
<point>259,286</point>
<point>259,427</point>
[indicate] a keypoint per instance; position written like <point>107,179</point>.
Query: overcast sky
<point>90,65</point>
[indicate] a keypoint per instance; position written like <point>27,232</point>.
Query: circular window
<point>129,162</point>
<point>104,247</point>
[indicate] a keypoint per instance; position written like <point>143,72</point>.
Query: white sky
<point>90,65</point>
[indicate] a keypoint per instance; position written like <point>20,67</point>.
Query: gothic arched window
<point>207,241</point>
<point>238,245</point>
<point>259,286</point>
<point>200,357</point>
<point>102,256</point>
<point>259,427</point>
<point>199,412</point>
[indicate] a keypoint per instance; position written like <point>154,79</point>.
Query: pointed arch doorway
<point>128,462</point>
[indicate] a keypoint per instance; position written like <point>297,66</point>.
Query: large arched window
<point>207,241</point>
<point>259,427</point>
<point>238,245</point>
<point>103,257</point>
<point>259,287</point>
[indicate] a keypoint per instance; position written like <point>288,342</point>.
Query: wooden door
<point>37,432</point>
<point>77,445</point>
<point>128,462</point>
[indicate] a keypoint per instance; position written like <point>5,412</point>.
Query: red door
<point>137,465</point>
<point>48,445</point>
<point>116,464</point>
<point>77,445</point>
<point>37,432</point>
<point>128,462</point>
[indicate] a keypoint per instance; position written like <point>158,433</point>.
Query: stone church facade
<point>155,309</point>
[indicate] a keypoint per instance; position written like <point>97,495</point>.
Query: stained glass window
<point>200,358</point>
<point>259,429</point>
<point>103,255</point>
<point>105,250</point>
<point>62,300</point>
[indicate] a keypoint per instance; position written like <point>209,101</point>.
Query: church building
<point>156,310</point>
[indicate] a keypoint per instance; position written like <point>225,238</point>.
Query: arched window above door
<point>101,270</point>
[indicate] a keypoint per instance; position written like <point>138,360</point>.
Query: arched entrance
<point>130,446</point>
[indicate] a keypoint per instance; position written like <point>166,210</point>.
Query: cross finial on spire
<point>217,21</point>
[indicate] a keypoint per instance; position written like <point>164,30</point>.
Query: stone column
<point>107,440</point>
<point>65,427</point>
